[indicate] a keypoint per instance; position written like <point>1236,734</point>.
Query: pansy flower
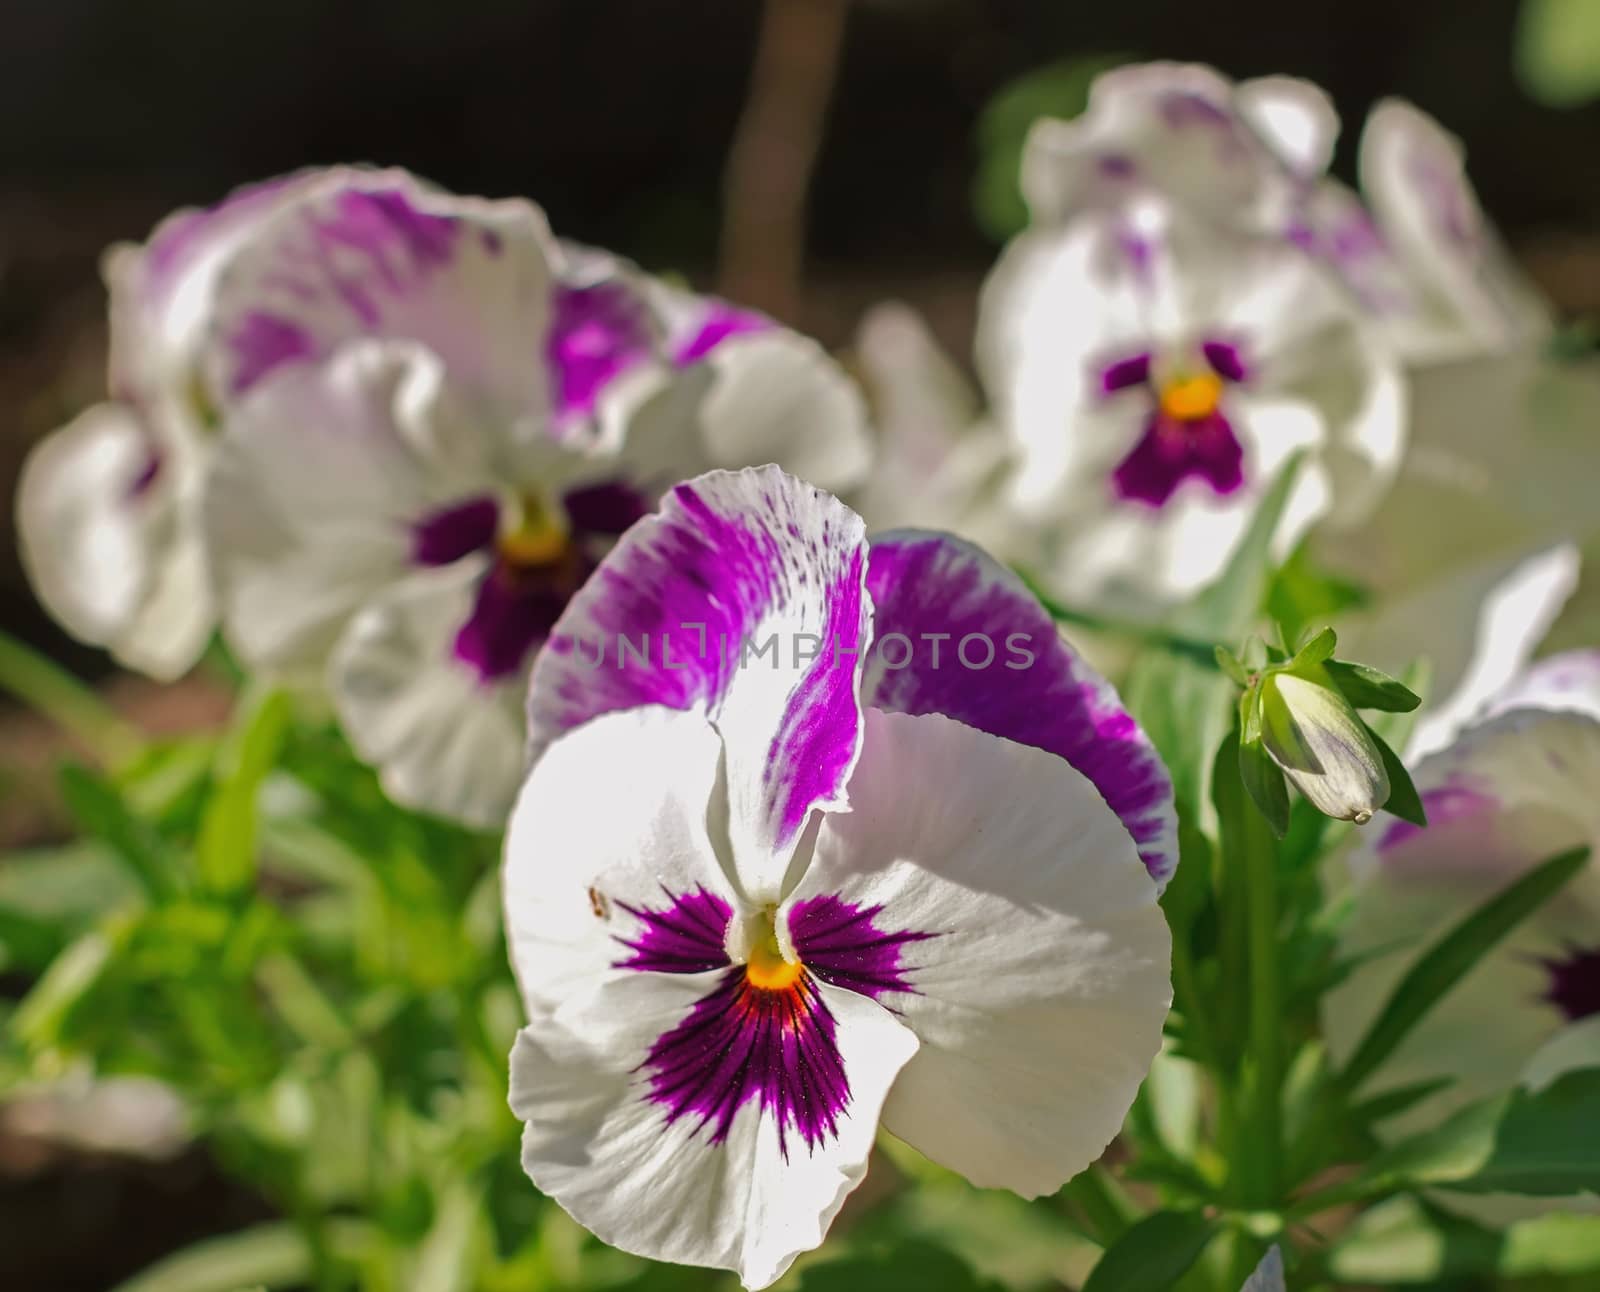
<point>441,419</point>
<point>1156,371</point>
<point>1513,789</point>
<point>107,507</point>
<point>837,881</point>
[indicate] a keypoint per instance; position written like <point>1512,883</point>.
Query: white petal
<point>1295,117</point>
<point>320,477</point>
<point>378,254</point>
<point>777,397</point>
<point>1269,1274</point>
<point>443,739</point>
<point>1413,174</point>
<point>1040,1001</point>
<point>112,553</point>
<point>615,812</point>
<point>598,1145</point>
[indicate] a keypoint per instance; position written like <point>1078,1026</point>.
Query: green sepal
<point>1367,688</point>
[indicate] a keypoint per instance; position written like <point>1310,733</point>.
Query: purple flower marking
<point>1575,982</point>
<point>720,321</point>
<point>1225,360</point>
<point>517,605</point>
<point>1125,374</point>
<point>1171,451</point>
<point>741,1044</point>
<point>260,343</point>
<point>598,333</point>
<point>842,944</point>
<point>1443,804</point>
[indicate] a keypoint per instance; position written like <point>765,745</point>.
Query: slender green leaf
<point>1403,801</point>
<point>226,851</point>
<point>1453,956</point>
<point>1391,1103</point>
<point>1367,688</point>
<point>1223,611</point>
<point>103,813</point>
<point>1229,663</point>
<point>273,1255</point>
<point>1154,1254</point>
<point>1317,648</point>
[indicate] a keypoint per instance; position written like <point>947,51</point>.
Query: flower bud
<point>1310,730</point>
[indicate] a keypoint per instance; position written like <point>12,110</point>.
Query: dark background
<point>617,116</point>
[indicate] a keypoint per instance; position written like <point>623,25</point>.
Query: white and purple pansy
<point>814,898</point>
<point>1512,790</point>
<point>1155,373</point>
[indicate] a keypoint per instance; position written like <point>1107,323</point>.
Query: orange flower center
<point>768,970</point>
<point>1191,399</point>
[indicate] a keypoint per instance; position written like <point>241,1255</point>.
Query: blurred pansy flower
<point>439,419</point>
<point>107,507</point>
<point>1156,372</point>
<point>835,882</point>
<point>1514,788</point>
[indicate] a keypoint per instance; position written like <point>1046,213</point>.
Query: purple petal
<point>514,612</point>
<point>1003,668</point>
<point>1123,374</point>
<point>378,255</point>
<point>1575,982</point>
<point>608,508</point>
<point>1171,451</point>
<point>742,598</point>
<point>843,944</point>
<point>1225,360</point>
<point>719,322</point>
<point>599,332</point>
<point>448,535</point>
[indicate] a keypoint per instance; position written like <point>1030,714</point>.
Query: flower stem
<point>1266,1020</point>
<point>1191,648</point>
<point>49,690</point>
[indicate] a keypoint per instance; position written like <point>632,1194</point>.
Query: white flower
<point>440,419</point>
<point>1156,371</point>
<point>1513,790</point>
<point>756,904</point>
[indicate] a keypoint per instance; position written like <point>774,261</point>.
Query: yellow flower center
<point>538,536</point>
<point>767,969</point>
<point>1190,399</point>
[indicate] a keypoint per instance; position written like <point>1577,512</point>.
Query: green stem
<point>1266,1008</point>
<point>49,690</point>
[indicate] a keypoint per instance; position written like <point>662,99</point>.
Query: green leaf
<point>102,812</point>
<point>1367,688</point>
<point>1391,1103</point>
<point>1059,90</point>
<point>1154,1254</point>
<point>1453,956</point>
<point>1403,801</point>
<point>1318,648</point>
<point>1229,663</point>
<point>1266,786</point>
<point>1557,51</point>
<point>1534,1142</point>
<point>226,850</point>
<point>1224,610</point>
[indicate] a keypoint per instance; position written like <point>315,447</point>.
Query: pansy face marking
<point>764,1034</point>
<point>1186,432</point>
